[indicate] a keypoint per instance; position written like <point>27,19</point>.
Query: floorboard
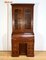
<point>38,56</point>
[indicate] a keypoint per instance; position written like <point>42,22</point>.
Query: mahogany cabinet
<point>22,30</point>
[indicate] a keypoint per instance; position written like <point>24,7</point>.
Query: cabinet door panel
<point>22,20</point>
<point>27,16</point>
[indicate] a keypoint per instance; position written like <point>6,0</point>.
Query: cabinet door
<point>22,48</point>
<point>28,19</point>
<point>22,19</point>
<point>18,20</point>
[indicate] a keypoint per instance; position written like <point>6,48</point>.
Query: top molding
<point>23,4</point>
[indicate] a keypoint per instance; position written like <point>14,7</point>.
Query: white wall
<point>40,30</point>
<point>39,24</point>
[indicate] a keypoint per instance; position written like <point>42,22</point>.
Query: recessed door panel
<point>22,20</point>
<point>27,16</point>
<point>23,48</point>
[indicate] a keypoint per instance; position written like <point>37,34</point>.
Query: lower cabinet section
<point>23,46</point>
<point>30,55</point>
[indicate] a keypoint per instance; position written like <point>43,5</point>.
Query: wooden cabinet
<point>22,30</point>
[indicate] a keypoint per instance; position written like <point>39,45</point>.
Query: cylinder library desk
<point>22,30</point>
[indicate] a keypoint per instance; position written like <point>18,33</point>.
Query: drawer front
<point>30,44</point>
<point>15,47</point>
<point>30,47</point>
<point>15,53</point>
<point>23,39</point>
<point>30,52</point>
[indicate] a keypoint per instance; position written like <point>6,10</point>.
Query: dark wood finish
<point>22,30</point>
<point>23,48</point>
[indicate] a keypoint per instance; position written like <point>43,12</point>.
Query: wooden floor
<point>38,56</point>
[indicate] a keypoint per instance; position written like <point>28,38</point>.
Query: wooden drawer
<point>23,39</point>
<point>30,44</point>
<point>30,55</point>
<point>15,53</point>
<point>15,47</point>
<point>30,52</point>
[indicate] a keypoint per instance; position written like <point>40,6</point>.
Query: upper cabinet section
<point>22,18</point>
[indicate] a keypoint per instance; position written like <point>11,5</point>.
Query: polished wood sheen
<point>22,30</point>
